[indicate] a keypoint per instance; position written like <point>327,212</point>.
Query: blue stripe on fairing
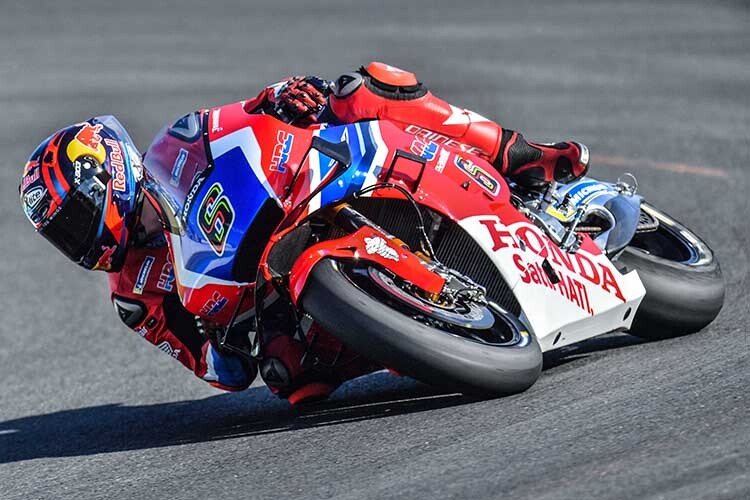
<point>246,194</point>
<point>370,150</point>
<point>362,159</point>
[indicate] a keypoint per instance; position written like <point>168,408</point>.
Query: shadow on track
<point>112,428</point>
<point>587,348</point>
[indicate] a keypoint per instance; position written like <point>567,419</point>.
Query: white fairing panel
<point>591,297</point>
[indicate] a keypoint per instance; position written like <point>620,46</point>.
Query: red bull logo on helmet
<point>31,164</point>
<point>87,142</point>
<point>29,179</point>
<point>89,136</point>
<point>117,162</point>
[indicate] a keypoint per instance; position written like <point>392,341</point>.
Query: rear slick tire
<point>684,286</point>
<point>397,341</point>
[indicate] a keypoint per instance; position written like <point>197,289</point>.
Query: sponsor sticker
<point>179,164</point>
<point>377,245</point>
<point>32,198</point>
<point>578,195</point>
<point>118,165</point>
<point>478,174</point>
<point>213,305</point>
<point>215,116</point>
<point>89,136</point>
<point>142,279</point>
<point>577,272</point>
<point>424,148</point>
<point>30,165</point>
<point>105,261</point>
<point>166,277</point>
<point>215,218</point>
<point>197,183</point>
<point>167,348</point>
<point>441,139</point>
<point>584,192</point>
<point>79,166</point>
<point>77,172</point>
<point>30,178</point>
<point>442,160</point>
<point>284,142</point>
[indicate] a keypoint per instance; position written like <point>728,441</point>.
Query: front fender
<point>369,245</point>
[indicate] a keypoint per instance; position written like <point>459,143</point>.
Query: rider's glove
<point>301,99</point>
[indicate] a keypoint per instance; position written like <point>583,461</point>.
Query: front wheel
<point>684,286</point>
<point>481,350</point>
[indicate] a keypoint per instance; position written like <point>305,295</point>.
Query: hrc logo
<point>166,277</point>
<point>424,148</point>
<point>281,151</point>
<point>479,175</point>
<point>213,305</point>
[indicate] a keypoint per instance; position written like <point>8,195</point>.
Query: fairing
<point>254,162</point>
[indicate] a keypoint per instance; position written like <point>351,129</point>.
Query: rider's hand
<point>302,98</point>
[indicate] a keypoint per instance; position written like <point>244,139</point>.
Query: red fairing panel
<point>269,135</point>
<point>369,245</point>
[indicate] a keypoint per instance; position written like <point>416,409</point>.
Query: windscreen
<point>174,163</point>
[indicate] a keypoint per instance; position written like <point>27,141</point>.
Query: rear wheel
<point>684,286</point>
<point>469,347</point>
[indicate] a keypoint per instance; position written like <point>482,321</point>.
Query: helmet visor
<point>75,225</point>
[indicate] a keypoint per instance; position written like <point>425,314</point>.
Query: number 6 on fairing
<point>215,217</point>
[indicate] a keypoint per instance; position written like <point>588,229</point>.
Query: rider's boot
<point>534,166</point>
<point>309,371</point>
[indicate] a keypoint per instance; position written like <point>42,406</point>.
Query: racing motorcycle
<point>419,255</point>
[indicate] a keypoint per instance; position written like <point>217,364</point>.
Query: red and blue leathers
<point>144,294</point>
<point>145,298</point>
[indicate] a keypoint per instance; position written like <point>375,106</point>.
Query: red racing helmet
<point>81,191</point>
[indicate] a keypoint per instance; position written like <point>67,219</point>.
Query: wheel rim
<point>489,324</point>
<point>467,315</point>
<point>671,241</point>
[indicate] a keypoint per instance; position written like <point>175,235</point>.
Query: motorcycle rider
<point>81,190</point>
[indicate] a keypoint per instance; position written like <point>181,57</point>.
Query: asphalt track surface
<point>662,89</point>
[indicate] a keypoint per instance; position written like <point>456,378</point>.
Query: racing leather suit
<point>145,296</point>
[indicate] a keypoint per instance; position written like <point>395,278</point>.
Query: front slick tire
<point>684,286</point>
<point>411,347</point>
